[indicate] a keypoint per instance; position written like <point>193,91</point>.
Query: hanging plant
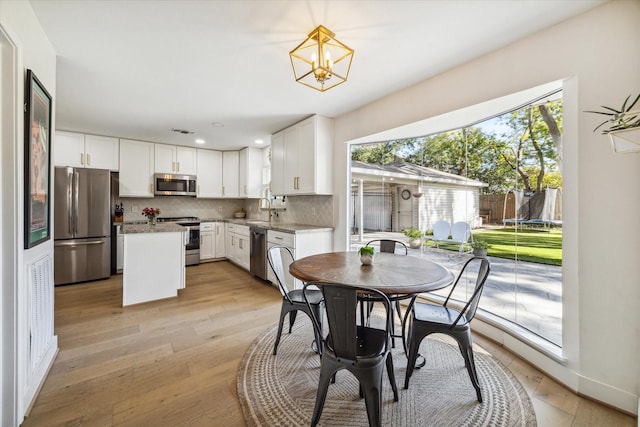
<point>624,118</point>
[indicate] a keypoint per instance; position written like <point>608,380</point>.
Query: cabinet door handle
<point>88,158</point>
<point>223,190</point>
<point>245,190</point>
<point>240,243</point>
<point>198,189</point>
<point>82,159</point>
<point>177,166</point>
<point>151,188</point>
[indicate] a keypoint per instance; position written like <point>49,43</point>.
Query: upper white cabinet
<point>175,159</point>
<point>250,173</point>
<point>301,158</point>
<point>86,151</point>
<point>209,174</point>
<point>230,173</point>
<point>277,163</point>
<point>136,168</point>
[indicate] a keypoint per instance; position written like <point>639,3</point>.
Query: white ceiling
<point>137,69</point>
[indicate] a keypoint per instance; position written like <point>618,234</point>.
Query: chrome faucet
<point>268,204</point>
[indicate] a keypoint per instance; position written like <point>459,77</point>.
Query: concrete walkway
<point>525,293</point>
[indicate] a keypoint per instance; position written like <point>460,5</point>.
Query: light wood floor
<point>174,362</point>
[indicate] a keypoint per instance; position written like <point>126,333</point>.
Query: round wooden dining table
<point>391,274</point>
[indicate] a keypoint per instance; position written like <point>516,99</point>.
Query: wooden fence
<point>492,207</point>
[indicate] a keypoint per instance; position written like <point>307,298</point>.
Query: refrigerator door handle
<point>73,244</point>
<point>70,199</point>
<point>76,191</point>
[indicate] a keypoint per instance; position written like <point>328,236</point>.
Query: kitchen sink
<point>256,222</point>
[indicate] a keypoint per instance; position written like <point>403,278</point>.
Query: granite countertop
<point>128,228</point>
<point>277,226</point>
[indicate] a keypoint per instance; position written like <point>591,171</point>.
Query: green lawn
<point>533,245</point>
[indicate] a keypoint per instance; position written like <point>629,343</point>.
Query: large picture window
<point>503,177</point>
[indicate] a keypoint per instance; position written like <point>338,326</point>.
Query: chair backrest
<point>484,267</point>
<point>441,230</point>
<point>280,258</point>
<point>390,246</point>
<point>460,232</point>
<point>341,304</point>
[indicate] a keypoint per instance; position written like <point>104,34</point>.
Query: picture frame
<point>37,162</point>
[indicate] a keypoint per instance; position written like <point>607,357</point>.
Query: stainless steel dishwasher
<point>258,252</point>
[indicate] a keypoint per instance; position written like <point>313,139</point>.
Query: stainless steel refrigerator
<point>82,225</point>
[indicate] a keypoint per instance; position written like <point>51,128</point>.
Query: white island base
<point>153,263</point>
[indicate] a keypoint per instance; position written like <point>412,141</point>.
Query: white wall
<point>598,57</point>
<point>32,50</point>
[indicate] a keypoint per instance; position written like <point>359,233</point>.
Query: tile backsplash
<point>312,210</point>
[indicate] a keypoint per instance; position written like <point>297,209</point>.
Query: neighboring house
<point>401,195</point>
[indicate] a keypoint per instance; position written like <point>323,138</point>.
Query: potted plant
<point>415,237</point>
<point>366,255</point>
<point>623,126</point>
<point>479,247</point>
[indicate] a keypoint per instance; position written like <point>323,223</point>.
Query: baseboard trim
<point>40,375</point>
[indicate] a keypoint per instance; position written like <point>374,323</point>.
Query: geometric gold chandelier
<point>321,62</point>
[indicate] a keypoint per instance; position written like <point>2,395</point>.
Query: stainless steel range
<point>192,223</point>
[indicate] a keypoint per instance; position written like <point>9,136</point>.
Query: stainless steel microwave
<point>174,185</point>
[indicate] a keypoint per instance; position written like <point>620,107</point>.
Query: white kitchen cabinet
<point>250,173</point>
<point>220,240</point>
<point>212,241</point>
<point>175,159</point>
<point>207,241</point>
<point>119,249</point>
<point>277,163</point>
<point>136,168</point>
<point>237,248</point>
<point>209,173</point>
<point>301,158</point>
<point>301,244</point>
<point>86,151</point>
<point>230,173</point>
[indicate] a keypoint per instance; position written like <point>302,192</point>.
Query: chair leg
<point>292,319</point>
<point>371,383</point>
<point>327,373</point>
<point>466,348</point>
<point>283,312</point>
<point>392,376</point>
<point>317,312</point>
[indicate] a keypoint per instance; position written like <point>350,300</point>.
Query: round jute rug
<point>281,390</point>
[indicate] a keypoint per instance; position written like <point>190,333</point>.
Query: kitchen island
<point>154,262</point>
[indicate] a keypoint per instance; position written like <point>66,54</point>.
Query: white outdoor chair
<point>460,233</point>
<point>441,230</point>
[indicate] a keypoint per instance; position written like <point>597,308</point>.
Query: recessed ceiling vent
<point>182,131</point>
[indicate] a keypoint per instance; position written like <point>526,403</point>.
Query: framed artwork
<point>37,162</point>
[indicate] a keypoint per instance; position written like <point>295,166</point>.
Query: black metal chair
<point>362,350</point>
<point>392,247</point>
<point>423,319</point>
<point>280,257</point>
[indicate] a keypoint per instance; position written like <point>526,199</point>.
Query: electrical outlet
<point>134,209</point>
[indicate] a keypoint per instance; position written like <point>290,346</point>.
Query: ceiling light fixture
<point>259,141</point>
<point>199,141</point>
<point>321,62</point>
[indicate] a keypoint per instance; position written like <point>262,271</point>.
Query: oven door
<point>194,237</point>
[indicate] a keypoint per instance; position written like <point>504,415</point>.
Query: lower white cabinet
<point>212,241</point>
<point>301,244</point>
<point>238,245</point>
